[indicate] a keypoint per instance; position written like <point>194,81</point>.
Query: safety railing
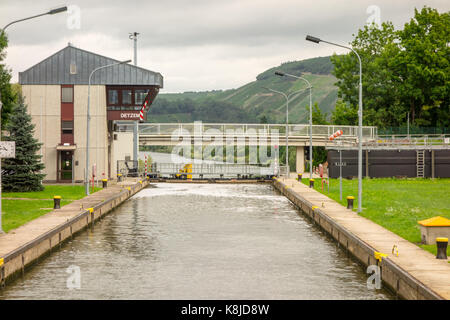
<point>215,169</point>
<point>411,140</point>
<point>236,129</point>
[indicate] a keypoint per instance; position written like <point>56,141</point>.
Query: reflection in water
<point>200,241</point>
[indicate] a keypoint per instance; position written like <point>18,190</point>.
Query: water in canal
<point>198,241</point>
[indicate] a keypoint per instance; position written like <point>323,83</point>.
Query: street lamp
<point>317,40</point>
<point>53,11</point>
<point>88,118</point>
<point>278,73</point>
<point>287,97</point>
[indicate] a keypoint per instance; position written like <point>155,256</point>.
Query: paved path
<point>422,265</point>
<point>31,230</point>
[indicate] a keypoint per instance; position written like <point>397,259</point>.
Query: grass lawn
<point>68,192</point>
<point>18,212</point>
<point>396,204</point>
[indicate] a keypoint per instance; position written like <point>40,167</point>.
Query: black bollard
<point>311,183</point>
<point>441,244</point>
<point>299,177</point>
<point>350,202</point>
<point>57,202</point>
<point>105,183</point>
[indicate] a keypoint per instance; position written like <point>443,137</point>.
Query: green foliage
<point>263,119</point>
<point>318,117</point>
<point>208,110</point>
<point>8,97</point>
<point>319,153</point>
<point>344,114</point>
<point>403,71</point>
<point>22,173</point>
<point>319,65</point>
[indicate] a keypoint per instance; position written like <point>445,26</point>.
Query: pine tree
<point>22,173</point>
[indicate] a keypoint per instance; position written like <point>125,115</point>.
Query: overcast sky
<point>196,45</point>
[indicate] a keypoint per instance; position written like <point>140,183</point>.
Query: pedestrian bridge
<point>170,134</point>
<point>245,134</point>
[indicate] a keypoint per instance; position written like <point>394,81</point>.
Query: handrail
<point>158,129</point>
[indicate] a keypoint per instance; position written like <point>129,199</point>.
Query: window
<point>126,96</point>
<point>67,94</point>
<point>113,97</point>
<point>139,96</point>
<point>67,127</point>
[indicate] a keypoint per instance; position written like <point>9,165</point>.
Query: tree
<point>422,67</point>
<point>318,117</point>
<point>7,96</point>
<point>403,71</point>
<point>22,173</point>
<point>263,119</point>
<point>344,114</point>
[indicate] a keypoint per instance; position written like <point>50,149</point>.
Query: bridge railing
<point>236,129</point>
<point>216,169</point>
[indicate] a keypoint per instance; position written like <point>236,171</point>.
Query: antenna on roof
<point>133,36</point>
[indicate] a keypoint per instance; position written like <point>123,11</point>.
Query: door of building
<point>66,166</point>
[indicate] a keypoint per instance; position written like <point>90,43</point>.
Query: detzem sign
<point>123,115</point>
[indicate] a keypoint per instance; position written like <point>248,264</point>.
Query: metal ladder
<point>420,163</point>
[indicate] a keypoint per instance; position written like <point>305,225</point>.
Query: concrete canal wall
<point>414,274</point>
<point>25,245</point>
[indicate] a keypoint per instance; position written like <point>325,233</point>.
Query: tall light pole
<point>53,11</point>
<point>317,40</point>
<point>287,97</point>
<point>88,119</point>
<point>278,73</point>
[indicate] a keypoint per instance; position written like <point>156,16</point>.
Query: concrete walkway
<point>420,264</point>
<point>35,228</point>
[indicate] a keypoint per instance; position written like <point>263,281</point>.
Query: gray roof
<point>72,65</point>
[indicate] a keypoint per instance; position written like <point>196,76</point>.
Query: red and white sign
<point>144,106</point>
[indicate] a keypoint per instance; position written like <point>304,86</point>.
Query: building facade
<point>56,92</point>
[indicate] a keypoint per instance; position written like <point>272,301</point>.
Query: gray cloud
<point>186,38</point>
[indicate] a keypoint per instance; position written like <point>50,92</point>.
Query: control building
<point>56,92</point>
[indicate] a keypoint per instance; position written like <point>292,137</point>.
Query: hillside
<point>251,102</point>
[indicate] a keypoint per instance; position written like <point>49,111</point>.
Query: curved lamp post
<point>287,97</point>
<point>278,73</point>
<point>317,40</point>
<point>53,11</point>
<point>88,119</point>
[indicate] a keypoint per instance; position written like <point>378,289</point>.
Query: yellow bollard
<point>57,202</point>
<point>350,202</point>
